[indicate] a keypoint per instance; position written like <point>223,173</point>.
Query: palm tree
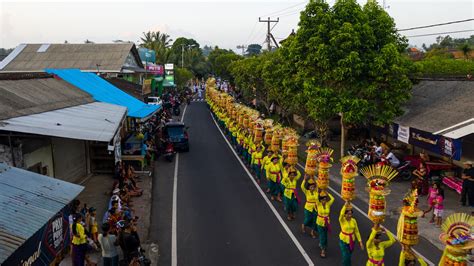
<point>159,42</point>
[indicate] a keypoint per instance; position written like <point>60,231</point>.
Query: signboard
<point>147,55</point>
<point>403,133</point>
<point>146,88</point>
<point>444,146</point>
<point>169,66</point>
<point>154,69</point>
<point>43,247</point>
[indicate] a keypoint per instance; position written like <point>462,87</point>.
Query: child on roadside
<point>432,194</point>
<point>439,208</point>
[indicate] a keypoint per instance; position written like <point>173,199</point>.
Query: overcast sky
<point>225,23</point>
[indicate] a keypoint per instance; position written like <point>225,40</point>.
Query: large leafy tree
<point>220,61</point>
<point>350,63</point>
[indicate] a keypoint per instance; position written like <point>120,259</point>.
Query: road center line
<point>365,214</point>
<point>283,224</point>
<point>174,233</point>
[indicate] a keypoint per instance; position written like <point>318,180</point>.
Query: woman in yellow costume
<point>308,186</point>
<point>409,258</point>
<point>257,159</point>
<point>323,204</point>
<point>274,176</point>
<point>265,162</point>
<point>349,234</point>
<point>376,247</point>
<point>290,194</point>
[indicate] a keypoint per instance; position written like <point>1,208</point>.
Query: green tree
<point>351,64</point>
<point>466,49</point>
<point>220,61</point>
<point>183,76</point>
<point>253,49</point>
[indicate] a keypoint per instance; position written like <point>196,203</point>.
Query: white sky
<point>225,23</point>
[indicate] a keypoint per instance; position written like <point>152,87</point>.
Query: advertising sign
<point>147,55</point>
<point>403,133</point>
<point>444,146</point>
<point>154,69</point>
<point>43,247</point>
<point>169,66</point>
<point>146,89</point>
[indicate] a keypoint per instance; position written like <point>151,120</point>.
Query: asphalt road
<point>223,219</point>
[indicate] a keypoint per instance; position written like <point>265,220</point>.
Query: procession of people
<point>269,150</point>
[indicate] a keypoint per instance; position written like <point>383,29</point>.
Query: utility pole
<point>243,46</point>
<point>269,34</point>
<point>182,55</point>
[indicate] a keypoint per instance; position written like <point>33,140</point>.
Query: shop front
<point>34,221</point>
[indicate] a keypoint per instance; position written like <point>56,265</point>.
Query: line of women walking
<point>282,183</point>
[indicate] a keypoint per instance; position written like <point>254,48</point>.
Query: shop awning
<point>459,130</point>
<point>441,107</point>
<point>94,121</point>
<point>103,91</point>
<point>34,217</point>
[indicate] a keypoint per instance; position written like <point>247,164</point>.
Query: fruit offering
<point>349,172</point>
<point>378,179</point>
<point>311,160</point>
<point>323,155</point>
<point>292,153</point>
<point>458,238</point>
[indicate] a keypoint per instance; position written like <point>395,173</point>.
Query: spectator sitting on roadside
<point>114,217</point>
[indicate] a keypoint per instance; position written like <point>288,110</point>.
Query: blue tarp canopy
<point>103,91</point>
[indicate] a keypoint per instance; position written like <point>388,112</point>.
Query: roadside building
<point>138,112</point>
<point>119,60</point>
<point>34,224</point>
<point>53,128</point>
<point>438,119</point>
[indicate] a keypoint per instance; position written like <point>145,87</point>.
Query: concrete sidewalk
<point>97,194</point>
<point>394,200</point>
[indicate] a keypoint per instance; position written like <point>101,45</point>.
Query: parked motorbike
<point>404,169</point>
<point>169,151</point>
<point>176,109</point>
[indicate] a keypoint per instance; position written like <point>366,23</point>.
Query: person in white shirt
<point>108,243</point>
<point>389,156</point>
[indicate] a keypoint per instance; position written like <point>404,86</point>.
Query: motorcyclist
<point>391,158</point>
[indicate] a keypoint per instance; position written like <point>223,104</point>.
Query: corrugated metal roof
<point>439,104</point>
<point>110,57</point>
<point>103,91</point>
<point>27,202</point>
<point>94,121</point>
<point>29,94</point>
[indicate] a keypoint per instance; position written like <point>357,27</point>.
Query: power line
<point>436,25</point>
<point>253,29</point>
<point>276,12</point>
<point>260,31</point>
<point>439,33</point>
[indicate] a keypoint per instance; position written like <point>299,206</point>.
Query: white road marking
<point>184,112</point>
<point>174,233</point>
<point>365,214</point>
<point>277,215</point>
<point>174,239</point>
